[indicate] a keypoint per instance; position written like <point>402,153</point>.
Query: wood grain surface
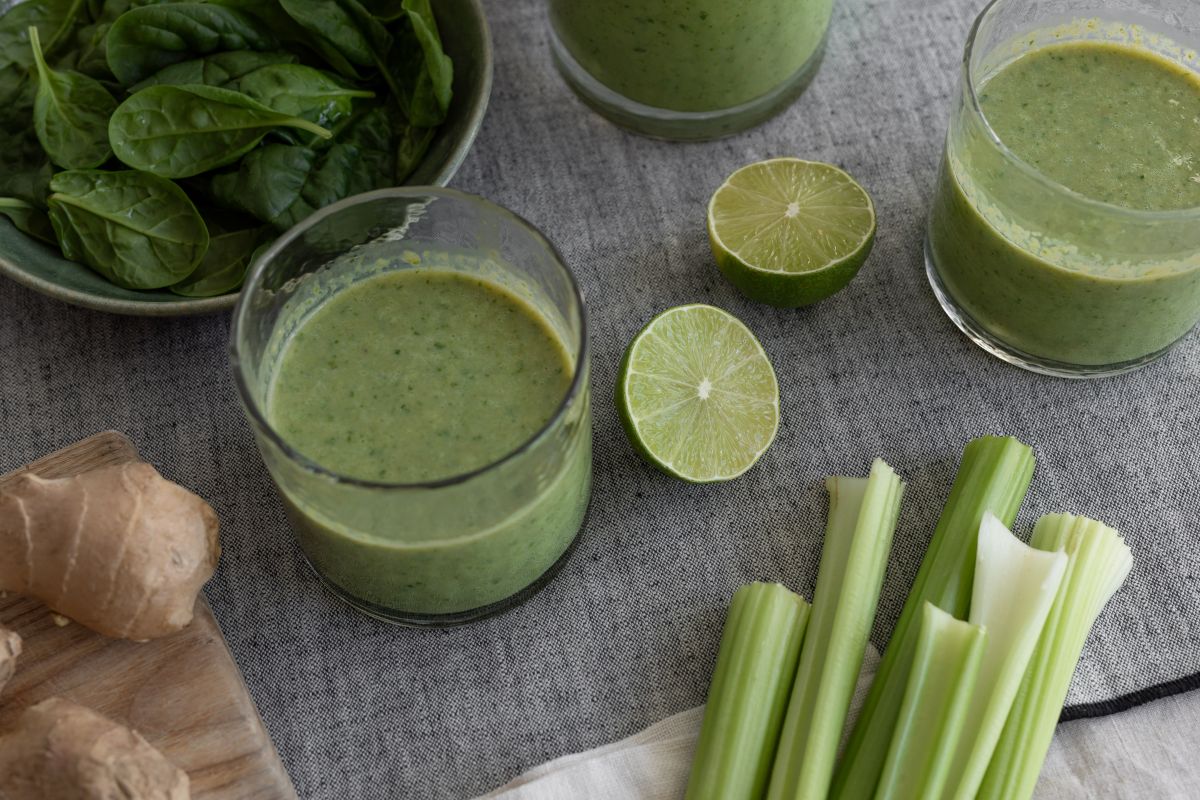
<point>184,693</point>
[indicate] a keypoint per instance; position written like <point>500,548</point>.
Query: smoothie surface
<point>417,375</point>
<point>1113,122</point>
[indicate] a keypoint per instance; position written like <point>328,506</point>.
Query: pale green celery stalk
<point>1098,563</point>
<point>944,669</point>
<point>858,536</point>
<point>1015,585</point>
<point>994,476</point>
<point>760,649</point>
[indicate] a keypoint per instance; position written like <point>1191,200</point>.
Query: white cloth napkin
<point>1148,752</point>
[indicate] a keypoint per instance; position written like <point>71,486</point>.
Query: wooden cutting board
<point>184,693</point>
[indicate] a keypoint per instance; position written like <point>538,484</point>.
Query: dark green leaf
<point>304,92</point>
<point>372,133</point>
<point>179,131</point>
<point>28,218</point>
<point>346,28</point>
<point>88,55</point>
<point>423,73</point>
<point>345,24</point>
<point>282,184</point>
<point>411,145</point>
<point>70,114</point>
<point>223,267</point>
<point>136,229</point>
<point>146,39</point>
<point>25,173</point>
<point>17,90</point>
<point>267,182</point>
<point>54,19</point>
<point>271,15</point>
<point>218,69</point>
<point>384,10</point>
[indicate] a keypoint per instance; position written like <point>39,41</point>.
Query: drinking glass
<point>1033,272</point>
<point>450,550</point>
<point>688,69</point>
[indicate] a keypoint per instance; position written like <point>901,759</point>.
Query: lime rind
<point>697,394</point>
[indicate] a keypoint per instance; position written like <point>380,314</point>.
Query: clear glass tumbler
<point>451,550</point>
<point>688,69</point>
<point>1035,273</point>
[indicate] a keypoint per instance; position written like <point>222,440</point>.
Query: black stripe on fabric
<point>1127,701</point>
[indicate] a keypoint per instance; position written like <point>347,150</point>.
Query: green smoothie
<point>416,376</point>
<point>692,55</point>
<point>1054,273</point>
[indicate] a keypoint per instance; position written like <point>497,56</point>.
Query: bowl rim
<point>199,306</point>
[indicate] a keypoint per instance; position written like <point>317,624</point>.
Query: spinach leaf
<point>17,91</point>
<point>388,145</point>
<point>27,218</point>
<point>12,79</point>
<point>304,92</point>
<point>423,73</point>
<point>266,183</point>
<point>411,145</point>
<point>145,39</point>
<point>70,114</point>
<point>218,69</point>
<point>346,28</point>
<point>28,181</point>
<point>54,19</point>
<point>357,35</point>
<point>371,132</point>
<point>271,15</point>
<point>136,229</point>
<point>223,267</point>
<point>282,184</point>
<point>179,131</point>
<point>89,55</point>
<point>384,10</point>
<point>24,170</point>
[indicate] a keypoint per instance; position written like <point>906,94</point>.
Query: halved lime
<point>789,232</point>
<point>697,395</point>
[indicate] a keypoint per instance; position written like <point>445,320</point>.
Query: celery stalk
<point>760,649</point>
<point>1098,562</point>
<point>1015,585</point>
<point>944,670</point>
<point>862,519</point>
<point>994,476</point>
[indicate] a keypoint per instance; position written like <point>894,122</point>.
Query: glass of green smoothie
<point>1065,231</point>
<point>688,69</point>
<point>414,365</point>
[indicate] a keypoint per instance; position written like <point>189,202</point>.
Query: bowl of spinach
<point>150,148</point>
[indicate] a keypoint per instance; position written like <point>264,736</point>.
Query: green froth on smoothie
<point>1114,123</point>
<point>417,375</point>
<point>692,55</point>
<point>1110,273</point>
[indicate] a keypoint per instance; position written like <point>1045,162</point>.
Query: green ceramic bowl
<point>466,39</point>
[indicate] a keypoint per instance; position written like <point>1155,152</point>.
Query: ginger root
<point>119,549</point>
<point>63,751</point>
<point>10,648</point>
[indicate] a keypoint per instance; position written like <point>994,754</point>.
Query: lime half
<point>789,232</point>
<point>697,395</point>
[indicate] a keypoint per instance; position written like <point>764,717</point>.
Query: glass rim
<point>241,312</point>
<point>968,77</point>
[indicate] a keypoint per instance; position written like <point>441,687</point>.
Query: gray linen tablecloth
<point>627,634</point>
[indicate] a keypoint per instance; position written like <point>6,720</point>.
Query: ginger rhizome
<point>10,648</point>
<point>63,751</point>
<point>119,549</point>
